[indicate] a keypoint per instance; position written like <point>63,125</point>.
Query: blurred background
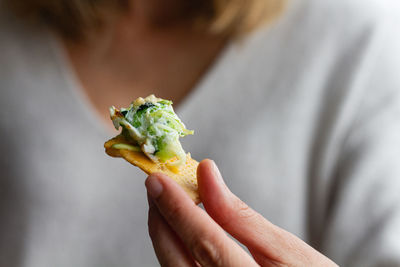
<point>297,101</point>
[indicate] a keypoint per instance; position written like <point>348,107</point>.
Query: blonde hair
<point>238,17</point>
<point>74,18</point>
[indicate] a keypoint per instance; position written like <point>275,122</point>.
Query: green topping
<point>153,125</point>
<point>127,147</point>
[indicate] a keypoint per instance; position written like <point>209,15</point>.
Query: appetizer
<point>149,139</point>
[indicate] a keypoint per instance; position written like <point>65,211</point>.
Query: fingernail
<point>154,187</point>
<point>217,173</point>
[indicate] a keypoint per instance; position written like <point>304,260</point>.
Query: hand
<point>183,234</point>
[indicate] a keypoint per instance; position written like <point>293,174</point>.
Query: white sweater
<point>302,117</point>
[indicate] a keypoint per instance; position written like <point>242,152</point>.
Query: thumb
<point>221,204</point>
<point>264,239</point>
<point>228,210</point>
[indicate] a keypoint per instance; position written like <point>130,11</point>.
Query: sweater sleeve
<point>363,228</point>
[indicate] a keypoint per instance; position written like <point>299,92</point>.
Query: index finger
<point>206,240</point>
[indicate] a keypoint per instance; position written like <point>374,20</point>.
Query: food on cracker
<point>150,140</point>
<point>154,128</point>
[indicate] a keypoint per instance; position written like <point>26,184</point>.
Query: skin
<point>183,234</point>
<point>150,49</point>
<point>134,56</point>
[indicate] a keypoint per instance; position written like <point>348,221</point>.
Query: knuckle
<point>240,212</point>
<point>244,211</point>
<point>175,213</point>
<point>207,252</point>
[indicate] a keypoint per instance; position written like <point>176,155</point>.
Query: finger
<point>226,209</point>
<point>207,242</point>
<point>167,246</point>
<point>265,240</point>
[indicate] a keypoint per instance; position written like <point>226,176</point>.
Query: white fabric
<point>303,119</point>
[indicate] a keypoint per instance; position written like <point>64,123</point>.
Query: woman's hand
<point>185,235</point>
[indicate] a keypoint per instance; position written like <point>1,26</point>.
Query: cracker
<point>186,177</point>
